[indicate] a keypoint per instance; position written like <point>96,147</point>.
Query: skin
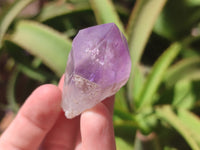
<point>41,125</point>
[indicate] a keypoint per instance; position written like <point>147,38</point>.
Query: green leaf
<point>120,101</point>
<point>105,13</point>
<point>10,92</point>
<point>43,42</point>
<point>55,9</point>
<point>183,94</point>
<point>36,74</point>
<point>146,120</point>
<point>10,14</point>
<point>186,69</point>
<point>139,29</point>
<point>192,122</point>
<point>120,114</point>
<point>122,144</point>
<point>125,125</point>
<point>169,148</point>
<point>125,130</point>
<point>25,64</point>
<point>178,18</point>
<point>138,81</point>
<point>166,114</point>
<point>192,2</point>
<point>154,79</point>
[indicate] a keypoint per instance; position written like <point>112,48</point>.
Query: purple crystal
<point>98,66</point>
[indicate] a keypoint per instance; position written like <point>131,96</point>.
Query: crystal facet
<point>98,66</point>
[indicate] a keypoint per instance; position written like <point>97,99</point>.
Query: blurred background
<point>157,109</point>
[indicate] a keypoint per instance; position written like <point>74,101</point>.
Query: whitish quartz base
<point>79,94</point>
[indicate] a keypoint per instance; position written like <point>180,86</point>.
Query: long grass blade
<point>105,12</point>
<point>157,73</point>
<point>10,14</point>
<point>141,22</point>
<point>43,42</point>
<point>166,114</point>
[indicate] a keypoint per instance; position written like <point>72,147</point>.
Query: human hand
<point>41,124</point>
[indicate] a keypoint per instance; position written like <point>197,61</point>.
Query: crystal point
<point>98,66</point>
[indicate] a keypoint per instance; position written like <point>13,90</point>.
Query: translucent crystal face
<point>98,66</point>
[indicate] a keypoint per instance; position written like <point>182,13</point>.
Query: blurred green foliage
<point>159,106</point>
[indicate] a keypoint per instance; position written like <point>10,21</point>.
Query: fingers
<point>97,129</point>
<point>34,120</point>
<point>61,83</point>
<point>66,133</point>
<point>63,135</point>
<point>109,103</point>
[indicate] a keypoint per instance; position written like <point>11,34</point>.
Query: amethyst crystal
<point>98,66</point>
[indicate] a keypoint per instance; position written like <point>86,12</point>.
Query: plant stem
<point>146,142</point>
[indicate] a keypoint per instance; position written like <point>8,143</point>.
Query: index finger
<point>35,118</point>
